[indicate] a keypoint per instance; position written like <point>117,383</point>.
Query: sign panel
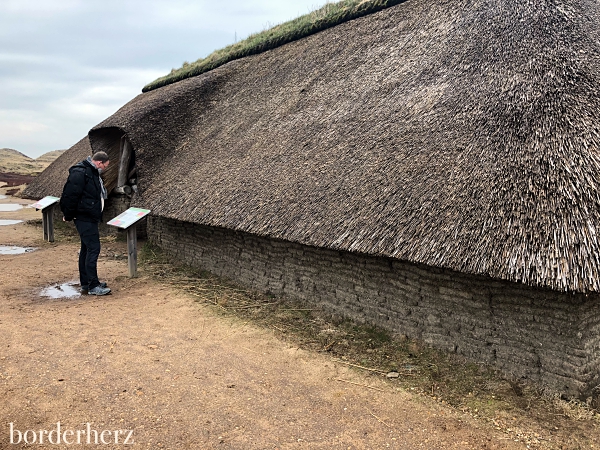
<point>129,217</point>
<point>45,202</point>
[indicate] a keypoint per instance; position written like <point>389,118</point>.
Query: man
<point>82,200</point>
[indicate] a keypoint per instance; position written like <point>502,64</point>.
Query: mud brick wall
<point>113,206</point>
<point>548,337</point>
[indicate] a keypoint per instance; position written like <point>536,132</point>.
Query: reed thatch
<point>458,134</point>
<point>329,15</point>
<point>52,180</point>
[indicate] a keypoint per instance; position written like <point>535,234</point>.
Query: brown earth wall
<point>548,337</point>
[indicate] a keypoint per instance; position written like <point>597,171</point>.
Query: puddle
<point>9,222</point>
<point>12,250</point>
<point>6,207</point>
<point>65,290</point>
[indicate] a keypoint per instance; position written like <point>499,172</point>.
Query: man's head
<point>100,160</point>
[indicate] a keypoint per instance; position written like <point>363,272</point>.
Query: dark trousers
<point>88,255</point>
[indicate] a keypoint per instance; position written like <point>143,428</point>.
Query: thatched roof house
<point>459,135</point>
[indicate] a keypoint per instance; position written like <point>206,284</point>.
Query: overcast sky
<point>66,65</point>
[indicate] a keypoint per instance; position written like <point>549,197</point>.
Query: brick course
<point>548,337</point>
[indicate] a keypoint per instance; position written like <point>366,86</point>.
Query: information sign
<point>45,202</point>
<point>129,217</point>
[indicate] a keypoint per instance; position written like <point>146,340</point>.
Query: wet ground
<point>14,210</point>
<point>63,290</point>
<point>14,250</point>
<point>7,207</point>
<point>4,222</point>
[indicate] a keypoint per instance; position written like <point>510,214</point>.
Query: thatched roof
<point>329,15</point>
<point>52,180</point>
<point>457,134</point>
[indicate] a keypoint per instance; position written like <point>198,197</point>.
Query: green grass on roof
<point>328,16</point>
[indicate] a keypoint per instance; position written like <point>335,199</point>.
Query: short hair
<point>100,156</point>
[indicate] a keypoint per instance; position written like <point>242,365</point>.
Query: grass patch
<point>522,411</point>
<point>328,16</point>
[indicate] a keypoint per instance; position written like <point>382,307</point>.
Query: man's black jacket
<point>81,197</point>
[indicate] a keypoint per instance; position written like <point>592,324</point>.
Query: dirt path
<point>151,360</point>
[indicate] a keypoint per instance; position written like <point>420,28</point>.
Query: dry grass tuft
<point>574,409</point>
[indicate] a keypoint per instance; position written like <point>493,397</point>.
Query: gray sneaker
<point>84,289</point>
<point>99,290</point>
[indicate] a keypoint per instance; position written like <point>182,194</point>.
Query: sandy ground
<point>149,363</point>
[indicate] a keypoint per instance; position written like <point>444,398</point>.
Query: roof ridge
<point>328,16</point>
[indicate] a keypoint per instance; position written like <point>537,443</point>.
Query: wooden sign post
<point>132,251</point>
<point>126,221</point>
<point>47,206</point>
<point>48,223</point>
